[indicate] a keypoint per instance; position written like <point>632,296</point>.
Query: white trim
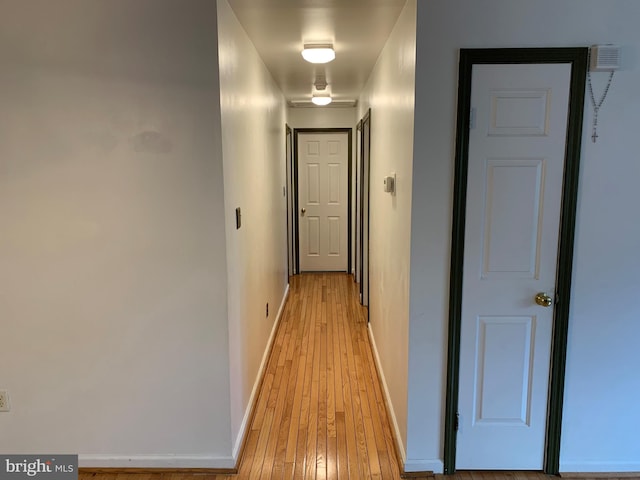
<point>387,397</point>
<point>599,467</point>
<point>435,466</point>
<point>256,385</point>
<point>155,461</point>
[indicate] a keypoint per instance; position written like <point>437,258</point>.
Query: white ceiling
<point>358,30</point>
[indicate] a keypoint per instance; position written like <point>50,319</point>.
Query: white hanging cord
<point>596,106</point>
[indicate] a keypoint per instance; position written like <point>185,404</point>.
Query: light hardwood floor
<point>320,413</point>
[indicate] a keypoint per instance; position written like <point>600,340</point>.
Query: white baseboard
<point>599,467</point>
<point>155,461</point>
<point>394,421</point>
<point>435,466</point>
<point>256,385</point>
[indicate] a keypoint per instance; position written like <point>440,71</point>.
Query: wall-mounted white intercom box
<point>604,58</point>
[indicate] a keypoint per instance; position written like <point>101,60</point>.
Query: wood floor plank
<point>284,429</point>
<point>349,417</point>
<point>278,397</point>
<point>312,428</point>
<point>249,452</point>
<point>351,336</point>
<point>377,433</point>
<point>321,446</point>
<point>332,443</point>
<point>300,307</point>
<point>390,446</point>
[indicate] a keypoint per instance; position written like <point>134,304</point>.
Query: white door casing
<point>514,190</point>
<point>323,201</point>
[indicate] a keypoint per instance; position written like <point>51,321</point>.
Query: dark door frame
<point>349,133</point>
<point>358,230</point>
<point>292,266</point>
<point>365,181</point>
<point>578,58</point>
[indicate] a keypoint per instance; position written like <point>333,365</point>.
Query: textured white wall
<point>602,385</point>
<point>253,143</point>
<point>389,93</point>
<point>113,281</point>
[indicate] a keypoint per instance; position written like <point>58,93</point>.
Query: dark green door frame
<point>296,132</point>
<point>578,58</point>
<point>365,184</point>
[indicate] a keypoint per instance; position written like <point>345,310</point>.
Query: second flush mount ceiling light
<point>321,100</point>
<point>318,53</point>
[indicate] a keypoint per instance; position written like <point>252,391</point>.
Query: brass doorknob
<point>543,299</point>
<point>303,211</point>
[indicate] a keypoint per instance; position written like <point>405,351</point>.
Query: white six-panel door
<point>516,162</point>
<point>323,201</point>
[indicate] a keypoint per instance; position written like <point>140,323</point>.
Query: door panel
<point>335,178</point>
<point>512,221</point>
<point>313,237</point>
<point>313,184</point>
<point>519,112</point>
<point>514,191</point>
<point>502,385</point>
<point>323,201</point>
<point>334,236</point>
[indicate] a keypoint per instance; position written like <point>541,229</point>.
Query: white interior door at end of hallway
<point>323,201</point>
<point>514,192</point>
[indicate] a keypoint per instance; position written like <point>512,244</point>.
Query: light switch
<point>390,183</point>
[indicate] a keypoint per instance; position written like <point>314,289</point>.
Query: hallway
<point>321,411</point>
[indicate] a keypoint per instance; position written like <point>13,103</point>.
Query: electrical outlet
<point>4,401</point>
<point>267,309</point>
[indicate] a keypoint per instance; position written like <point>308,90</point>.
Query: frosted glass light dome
<point>321,100</point>
<point>318,53</point>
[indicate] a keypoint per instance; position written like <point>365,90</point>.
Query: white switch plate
<point>390,183</point>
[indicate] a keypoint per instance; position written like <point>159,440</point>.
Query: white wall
<point>321,117</point>
<point>113,280</point>
<point>601,419</point>
<point>253,144</point>
<point>389,93</point>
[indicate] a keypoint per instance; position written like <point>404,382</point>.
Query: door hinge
<point>456,425</point>
<point>472,118</point>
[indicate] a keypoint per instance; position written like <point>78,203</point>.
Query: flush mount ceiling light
<point>321,100</point>
<point>321,53</point>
